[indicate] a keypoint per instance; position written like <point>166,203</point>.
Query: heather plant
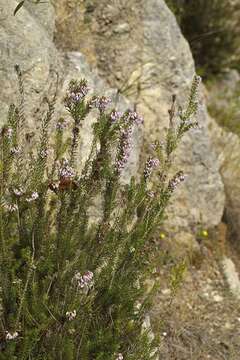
<point>71,287</point>
<point>211,28</point>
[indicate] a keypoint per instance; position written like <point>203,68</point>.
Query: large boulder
<point>138,48</point>
<point>76,67</point>
<point>227,147</point>
<point>25,41</point>
<point>223,100</point>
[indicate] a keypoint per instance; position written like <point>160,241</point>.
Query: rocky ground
<point>202,320</point>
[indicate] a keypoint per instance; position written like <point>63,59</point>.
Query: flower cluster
<point>44,153</point>
<point>124,148</point>
<point>131,118</point>
<point>177,179</point>
<point>150,165</point>
<point>99,102</point>
<point>119,356</point>
<point>34,196</point>
<point>10,207</point>
<point>115,116</point>
<point>11,336</point>
<point>61,124</point>
<point>9,133</point>
<point>76,92</point>
<point>15,150</point>
<point>66,171</point>
<point>18,191</point>
<point>71,315</point>
<point>151,194</point>
<point>84,281</point>
<point>135,118</point>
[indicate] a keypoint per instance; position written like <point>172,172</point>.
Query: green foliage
<point>71,287</point>
<point>211,27</point>
<point>177,275</point>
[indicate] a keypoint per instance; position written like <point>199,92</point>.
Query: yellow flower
<point>204,233</point>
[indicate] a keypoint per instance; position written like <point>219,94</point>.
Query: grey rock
<point>223,98</point>
<point>152,64</point>
<point>76,67</point>
<point>44,14</point>
<point>232,276</point>
<point>227,147</point>
<point>24,41</point>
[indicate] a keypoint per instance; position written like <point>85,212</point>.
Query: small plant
<point>73,288</point>
<point>212,31</point>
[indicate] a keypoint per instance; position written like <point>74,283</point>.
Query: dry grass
<point>203,320</point>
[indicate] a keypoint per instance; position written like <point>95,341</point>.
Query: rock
<point>44,14</point>
<point>76,67</point>
<point>155,62</point>
<point>227,147</point>
<point>183,245</point>
<point>25,41</point>
<point>74,27</point>
<point>232,276</point>
<point>223,99</point>
<point>152,64</point>
<point>230,81</point>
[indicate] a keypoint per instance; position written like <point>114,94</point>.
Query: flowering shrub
<point>72,288</point>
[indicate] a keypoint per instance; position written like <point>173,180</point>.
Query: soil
<point>202,320</point>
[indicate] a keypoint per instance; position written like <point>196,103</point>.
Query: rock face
<point>25,41</point>
<point>76,67</point>
<point>137,47</point>
<point>224,101</point>
<point>227,146</point>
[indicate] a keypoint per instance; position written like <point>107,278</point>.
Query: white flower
<point>12,336</point>
<point>15,150</point>
<point>11,207</point>
<point>84,281</point>
<point>119,356</point>
<point>66,171</point>
<point>61,124</point>
<point>34,196</point>
<point>71,315</point>
<point>18,192</point>
<point>9,133</point>
<point>44,153</point>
